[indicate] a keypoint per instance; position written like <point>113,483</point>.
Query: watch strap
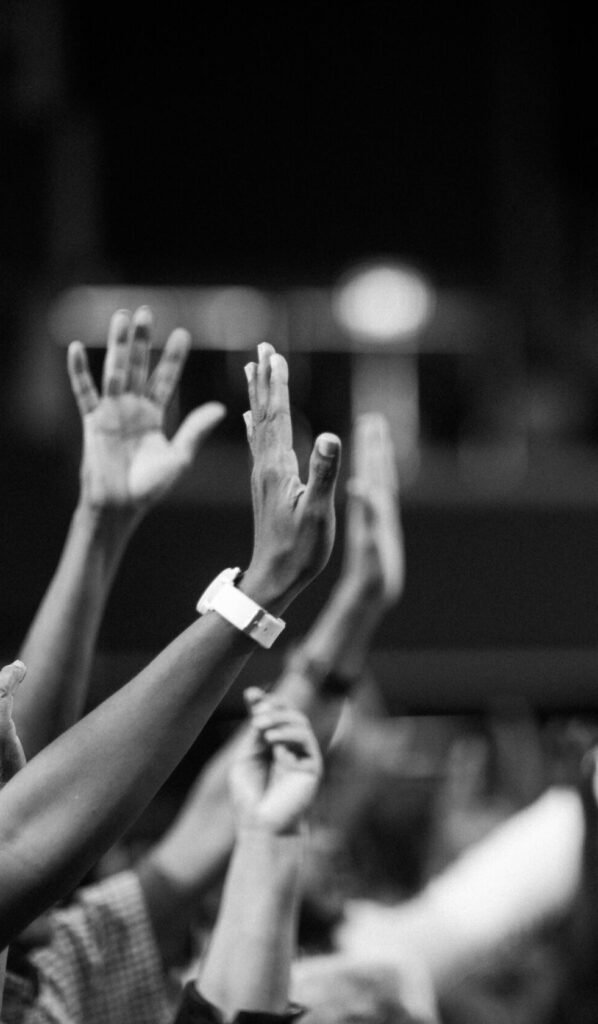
<point>240,610</point>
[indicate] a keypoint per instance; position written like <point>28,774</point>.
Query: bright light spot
<point>383,303</point>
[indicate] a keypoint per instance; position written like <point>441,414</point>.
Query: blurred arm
<point>524,873</point>
<point>12,757</point>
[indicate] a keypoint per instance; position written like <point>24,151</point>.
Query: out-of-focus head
<point>339,990</point>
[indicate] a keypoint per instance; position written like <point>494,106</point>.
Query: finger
<point>166,375</point>
<point>249,427</point>
<point>360,505</point>
<point>289,734</point>
<point>196,427</point>
<point>390,458</point>
<point>11,678</point>
<point>264,352</point>
<point>364,435</point>
<point>13,759</point>
<point>116,363</point>
<point>382,463</point>
<point>250,744</point>
<point>81,380</point>
<point>141,334</point>
<point>323,469</point>
<point>274,703</point>
<point>264,715</point>
<point>251,374</point>
<point>296,740</point>
<point>374,458</point>
<point>279,405</point>
<point>253,695</point>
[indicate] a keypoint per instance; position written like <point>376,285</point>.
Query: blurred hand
<point>276,773</point>
<point>374,558</point>
<point>128,462</point>
<point>12,757</point>
<point>294,522</point>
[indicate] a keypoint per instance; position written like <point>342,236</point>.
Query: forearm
<point>341,635</point>
<point>172,906</point>
<point>248,962</point>
<point>3,955</point>
<point>523,874</point>
<point>322,669</point>
<point>192,857</point>
<point>80,793</point>
<point>193,854</point>
<point>59,646</point>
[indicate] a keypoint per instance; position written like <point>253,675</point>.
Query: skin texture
<point>80,793</point>
<point>190,859</point>
<point>274,779</point>
<point>127,466</point>
<point>12,758</point>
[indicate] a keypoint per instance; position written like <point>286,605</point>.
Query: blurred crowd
<point>331,862</point>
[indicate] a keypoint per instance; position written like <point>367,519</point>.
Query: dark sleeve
<point>194,1009</point>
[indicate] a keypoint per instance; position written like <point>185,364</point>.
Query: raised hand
<point>128,462</point>
<point>294,522</point>
<point>374,560</point>
<point>277,770</point>
<point>12,757</point>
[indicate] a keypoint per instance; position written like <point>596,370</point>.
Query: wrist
<point>262,587</point>
<point>355,594</point>
<point>106,521</point>
<point>267,836</point>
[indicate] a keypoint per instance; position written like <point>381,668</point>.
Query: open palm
<point>127,459</point>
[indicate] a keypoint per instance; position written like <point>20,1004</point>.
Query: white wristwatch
<point>240,610</point>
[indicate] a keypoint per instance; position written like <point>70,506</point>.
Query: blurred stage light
<point>384,302</point>
<point>235,318</point>
<point>230,318</point>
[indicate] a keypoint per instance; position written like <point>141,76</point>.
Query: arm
<point>273,783</point>
<point>12,757</point>
<point>127,465</point>
<point>177,872</point>
<point>81,792</point>
<point>524,873</point>
<point>370,583</point>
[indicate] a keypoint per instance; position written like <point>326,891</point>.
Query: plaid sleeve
<point>102,964</point>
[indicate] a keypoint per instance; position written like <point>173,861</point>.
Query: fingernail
<point>248,420</point>
<point>180,336</point>
<point>249,371</point>
<point>263,349</point>
<point>328,445</point>
<point>143,316</point>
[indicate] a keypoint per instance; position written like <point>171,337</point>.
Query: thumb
<point>252,696</point>
<point>196,427</point>
<point>11,677</point>
<point>323,468</point>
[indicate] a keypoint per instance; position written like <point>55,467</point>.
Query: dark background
<point>277,147</point>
